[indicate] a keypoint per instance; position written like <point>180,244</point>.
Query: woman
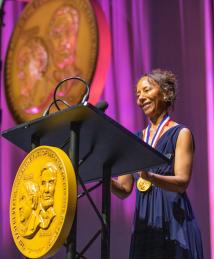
<point>164,224</point>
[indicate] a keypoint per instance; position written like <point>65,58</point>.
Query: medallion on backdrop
<point>43,52</point>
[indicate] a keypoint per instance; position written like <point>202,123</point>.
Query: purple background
<point>146,34</point>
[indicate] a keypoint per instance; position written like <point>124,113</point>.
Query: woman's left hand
<point>144,175</point>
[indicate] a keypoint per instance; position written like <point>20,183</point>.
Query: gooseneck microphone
<point>87,89</point>
<point>101,105</point>
<point>56,101</point>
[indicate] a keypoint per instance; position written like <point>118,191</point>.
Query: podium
<point>99,149</point>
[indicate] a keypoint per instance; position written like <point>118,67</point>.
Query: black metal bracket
<point>104,217</point>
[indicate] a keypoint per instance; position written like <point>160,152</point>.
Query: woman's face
<point>25,205</point>
<point>150,97</point>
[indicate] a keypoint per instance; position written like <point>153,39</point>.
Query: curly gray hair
<point>167,81</point>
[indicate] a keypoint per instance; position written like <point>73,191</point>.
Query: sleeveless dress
<point>164,224</point>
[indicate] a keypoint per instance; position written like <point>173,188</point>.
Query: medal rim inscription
<point>64,220</point>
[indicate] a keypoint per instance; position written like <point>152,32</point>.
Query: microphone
<point>55,100</point>
<point>102,106</point>
<point>87,89</point>
<point>47,110</point>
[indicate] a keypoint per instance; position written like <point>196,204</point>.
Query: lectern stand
<point>99,148</point>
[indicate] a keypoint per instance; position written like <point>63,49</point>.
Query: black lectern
<point>99,148</point>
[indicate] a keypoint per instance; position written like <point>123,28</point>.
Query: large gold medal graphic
<point>52,40</point>
<point>43,202</point>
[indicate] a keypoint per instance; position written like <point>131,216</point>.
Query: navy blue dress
<point>164,223</point>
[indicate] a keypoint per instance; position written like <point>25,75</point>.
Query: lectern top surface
<point>102,141</point>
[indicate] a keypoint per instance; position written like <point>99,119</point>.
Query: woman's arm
<point>182,166</point>
<point>123,186</point>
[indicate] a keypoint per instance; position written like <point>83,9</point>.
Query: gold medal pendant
<point>143,185</point>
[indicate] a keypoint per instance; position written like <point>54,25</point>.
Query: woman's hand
<point>122,186</point>
<point>145,175</point>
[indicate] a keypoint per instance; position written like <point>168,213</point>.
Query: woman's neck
<point>155,120</point>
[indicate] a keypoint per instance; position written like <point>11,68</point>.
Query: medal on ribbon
<point>142,184</point>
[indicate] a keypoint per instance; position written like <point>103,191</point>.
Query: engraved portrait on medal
<point>48,178</point>
<point>36,202</point>
<point>29,219</point>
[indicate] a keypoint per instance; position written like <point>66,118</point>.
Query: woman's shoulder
<point>181,128</point>
<point>178,129</point>
<point>186,135</point>
<point>182,133</point>
<point>178,126</point>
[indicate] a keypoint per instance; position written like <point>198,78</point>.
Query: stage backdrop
<point>146,34</point>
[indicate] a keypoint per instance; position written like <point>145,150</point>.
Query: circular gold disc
<point>52,40</point>
<point>43,202</point>
<point>143,185</point>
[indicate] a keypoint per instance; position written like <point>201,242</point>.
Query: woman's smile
<point>150,97</point>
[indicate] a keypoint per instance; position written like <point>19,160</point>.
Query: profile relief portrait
<point>36,202</point>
